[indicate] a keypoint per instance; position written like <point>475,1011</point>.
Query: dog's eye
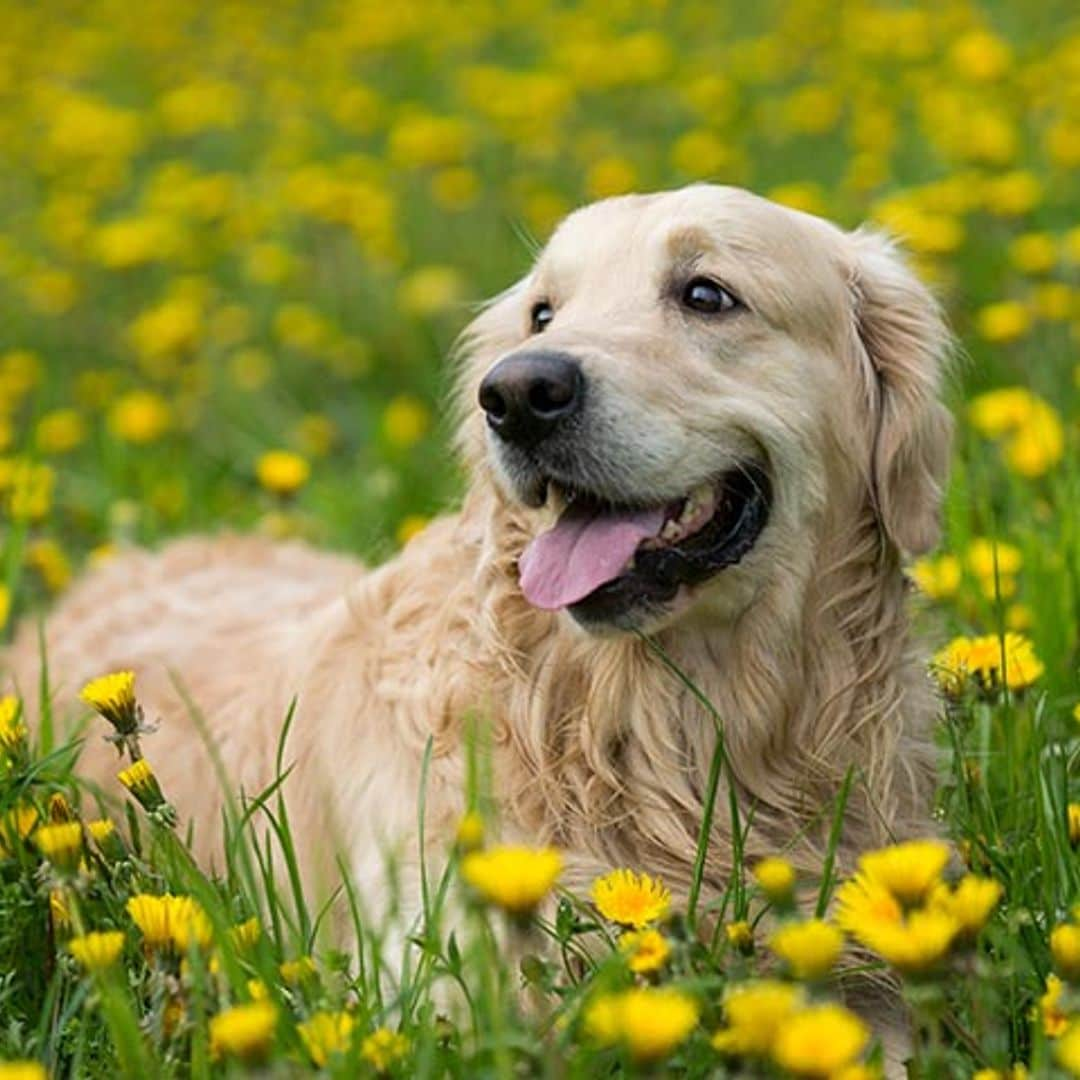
<point>704,295</point>
<point>542,313</point>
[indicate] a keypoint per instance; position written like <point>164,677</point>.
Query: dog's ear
<point>904,346</point>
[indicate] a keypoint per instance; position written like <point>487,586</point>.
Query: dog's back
<point>226,612</point>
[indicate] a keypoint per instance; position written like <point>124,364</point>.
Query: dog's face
<point>679,386</point>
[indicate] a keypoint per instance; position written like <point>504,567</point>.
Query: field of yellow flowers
<point>236,242</point>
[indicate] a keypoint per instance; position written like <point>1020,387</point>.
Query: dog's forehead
<point>785,260</point>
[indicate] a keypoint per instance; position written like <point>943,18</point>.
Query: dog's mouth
<point>601,560</point>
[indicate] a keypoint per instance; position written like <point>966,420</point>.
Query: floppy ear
<point>905,346</point>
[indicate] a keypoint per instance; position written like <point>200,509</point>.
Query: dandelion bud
<point>295,972</point>
<point>60,809</point>
<point>739,936</point>
<point>245,936</point>
<point>1065,948</point>
<point>1074,823</point>
<point>776,879</point>
<point>140,780</point>
<point>470,832</point>
<point>107,839</point>
<point>61,844</point>
<point>59,910</point>
<point>12,730</point>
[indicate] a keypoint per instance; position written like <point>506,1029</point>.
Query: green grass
<point>315,201</point>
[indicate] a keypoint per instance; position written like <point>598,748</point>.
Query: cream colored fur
<point>803,647</point>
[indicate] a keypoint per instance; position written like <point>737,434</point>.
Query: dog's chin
<point>703,534</point>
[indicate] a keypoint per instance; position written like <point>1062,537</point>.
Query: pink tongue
<point>586,549</point>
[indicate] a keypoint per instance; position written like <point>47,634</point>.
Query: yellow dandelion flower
<point>755,1013</point>
<point>1067,1049</point>
<point>113,697</point>
<point>950,666</point>
<point>30,491</point>
<point>22,1070</point>
<point>97,951</point>
<point>820,1041</point>
<point>1003,322</point>
<point>1054,1018</point>
<point>1073,818</point>
<point>188,923</point>
<point>455,188</point>
<point>15,826</point>
<point>809,948</point>
<point>513,878</point>
<point>61,844</point>
<point>980,56</point>
<point>969,902</point>
<point>998,412</point>
<point>984,557</point>
<point>431,290</point>
<point>60,431</point>
<point>916,943</point>
<point>1037,445</point>
<point>645,950</point>
<point>405,421</point>
<point>1019,617</point>
<point>740,936</point>
<point>610,176</point>
<point>775,878</point>
<point>151,915</point>
<point>140,417</point>
<point>650,1022</point>
<point>860,1071</point>
<point>1065,949</point>
<point>282,472</point>
<point>989,661</point>
<point>908,870</point>
<point>51,563</point>
<point>470,832</point>
<point>410,525</point>
<point>937,578</point>
<point>630,899</point>
<point>325,1034</point>
<point>383,1047</point>
<point>244,1031</point>
<point>294,972</point>
<point>1033,253</point>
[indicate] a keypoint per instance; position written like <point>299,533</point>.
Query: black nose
<point>527,395</point>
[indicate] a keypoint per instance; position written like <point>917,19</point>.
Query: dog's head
<point>686,384</point>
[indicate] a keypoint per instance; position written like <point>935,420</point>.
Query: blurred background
<point>238,229</point>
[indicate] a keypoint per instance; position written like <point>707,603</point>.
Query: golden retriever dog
<point>704,428</point>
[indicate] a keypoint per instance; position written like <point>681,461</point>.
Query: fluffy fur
<point>833,374</point>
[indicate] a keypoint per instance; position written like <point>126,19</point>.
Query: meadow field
<point>237,241</point>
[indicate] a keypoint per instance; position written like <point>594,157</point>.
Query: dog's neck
<point>605,747</point>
